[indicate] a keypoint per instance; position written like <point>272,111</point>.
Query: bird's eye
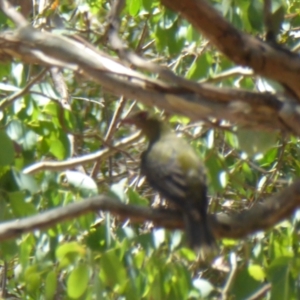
<point>143,115</point>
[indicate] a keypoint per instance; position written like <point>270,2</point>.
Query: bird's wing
<point>162,169</point>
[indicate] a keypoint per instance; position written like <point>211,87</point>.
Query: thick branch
<point>260,217</point>
<point>197,101</point>
<point>177,95</point>
<point>273,62</point>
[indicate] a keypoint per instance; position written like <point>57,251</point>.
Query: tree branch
<point>78,161</point>
<point>276,63</point>
<point>14,15</point>
<point>197,101</point>
<point>10,99</point>
<point>260,217</point>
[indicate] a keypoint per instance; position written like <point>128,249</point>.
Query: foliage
<point>97,256</point>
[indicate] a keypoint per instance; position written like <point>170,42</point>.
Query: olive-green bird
<point>173,168</point>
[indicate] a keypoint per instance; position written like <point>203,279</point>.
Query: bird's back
<point>173,168</point>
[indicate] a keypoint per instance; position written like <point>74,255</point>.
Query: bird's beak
<point>128,120</point>
<point>125,121</point>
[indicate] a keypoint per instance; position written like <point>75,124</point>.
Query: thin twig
<point>231,277</point>
<point>14,15</point>
<point>111,129</point>
<point>71,163</point>
<point>4,279</point>
<point>9,100</point>
<point>260,293</point>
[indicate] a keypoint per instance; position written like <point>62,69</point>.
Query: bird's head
<point>152,127</point>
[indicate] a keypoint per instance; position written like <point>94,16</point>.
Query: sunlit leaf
<point>204,286</point>
<point>78,281</point>
<point>25,182</point>
<point>82,182</point>
<point>50,285</point>
<point>256,272</point>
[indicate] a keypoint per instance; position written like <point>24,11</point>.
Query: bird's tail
<point>199,234</point>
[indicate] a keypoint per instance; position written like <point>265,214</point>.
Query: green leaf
<point>3,20</point>
<point>67,253</point>
<point>25,182</point>
<point>18,73</point>
<point>281,244</point>
<point>193,34</point>
<point>171,39</point>
<point>16,131</point>
<point>72,247</point>
<point>133,6</point>
<point>135,199</point>
<point>226,5</point>
<point>200,67</point>
<point>19,133</point>
<point>159,237</point>
<point>244,285</point>
<point>175,240</point>
<point>50,285</point>
<point>278,274</point>
<point>59,144</point>
<point>231,139</point>
<point>84,183</point>
<point>147,4</point>
<point>32,279</point>
<point>269,157</point>
<point>257,272</point>
<point>8,249</point>
<point>118,189</point>
<point>229,242</point>
<point>33,283</point>
<point>255,15</point>
<point>277,19</point>
<point>69,120</point>
<point>19,206</point>
<point>52,109</point>
<point>30,140</point>
<point>204,287</point>
<point>78,280</point>
<point>43,128</point>
<point>96,238</point>
<point>215,168</point>
<point>188,254</point>
<point>254,142</point>
<point>156,290</point>
<point>7,151</point>
<point>169,19</point>
<point>181,281</point>
<point>179,119</point>
<point>112,271</point>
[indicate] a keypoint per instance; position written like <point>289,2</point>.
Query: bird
<point>173,168</point>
